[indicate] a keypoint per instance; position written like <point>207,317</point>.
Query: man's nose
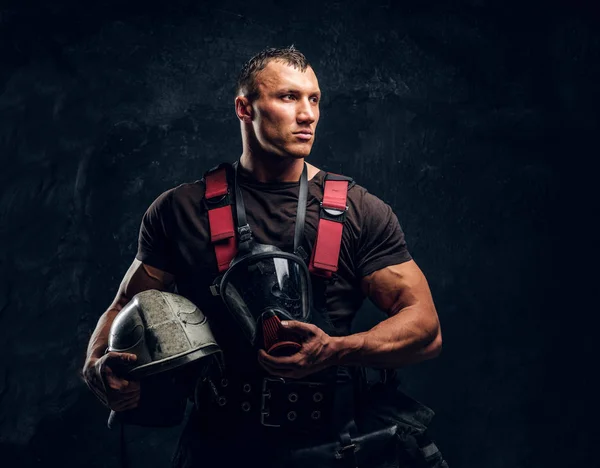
<point>306,111</point>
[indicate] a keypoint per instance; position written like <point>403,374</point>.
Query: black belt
<point>296,404</point>
<point>271,402</point>
<point>275,402</point>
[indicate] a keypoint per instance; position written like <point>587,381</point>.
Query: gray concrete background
<point>466,117</point>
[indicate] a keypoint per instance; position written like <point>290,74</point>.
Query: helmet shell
<point>164,330</point>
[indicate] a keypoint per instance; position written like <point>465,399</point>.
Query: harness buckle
<point>333,213</point>
<point>245,233</point>
<point>218,201</point>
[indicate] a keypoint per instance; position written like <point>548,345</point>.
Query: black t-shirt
<point>175,237</point>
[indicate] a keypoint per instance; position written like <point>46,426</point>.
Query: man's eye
<point>288,95</point>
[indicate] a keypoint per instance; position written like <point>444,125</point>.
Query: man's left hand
<point>317,353</point>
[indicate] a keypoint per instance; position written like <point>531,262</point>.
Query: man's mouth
<point>304,135</point>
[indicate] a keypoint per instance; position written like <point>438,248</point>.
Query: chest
<point>272,219</point>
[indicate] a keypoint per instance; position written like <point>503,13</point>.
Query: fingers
<point>121,399</point>
<point>113,366</point>
<point>126,397</point>
<point>124,387</point>
<point>313,356</point>
<point>300,328</point>
<point>281,372</point>
<point>119,384</point>
<point>293,370</point>
<point>114,381</point>
<point>116,393</point>
<point>296,372</point>
<point>267,363</point>
<point>119,361</point>
<point>124,357</point>
<point>284,362</point>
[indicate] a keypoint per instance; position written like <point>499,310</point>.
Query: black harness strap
<point>243,228</point>
<point>344,417</point>
<point>301,209</point>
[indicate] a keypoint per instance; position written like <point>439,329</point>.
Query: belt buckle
<point>280,405</point>
<point>266,395</point>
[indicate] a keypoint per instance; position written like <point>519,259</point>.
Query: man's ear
<point>243,109</point>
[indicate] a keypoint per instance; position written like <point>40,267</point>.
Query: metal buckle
<point>266,395</point>
<point>215,200</point>
<point>218,201</point>
<point>288,403</point>
<point>342,452</point>
<point>245,233</point>
<point>333,214</point>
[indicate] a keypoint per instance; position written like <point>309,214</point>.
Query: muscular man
<point>277,104</point>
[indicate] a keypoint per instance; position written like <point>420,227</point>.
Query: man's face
<point>286,112</point>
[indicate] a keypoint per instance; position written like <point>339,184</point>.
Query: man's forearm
<point>405,338</point>
<point>99,339</point>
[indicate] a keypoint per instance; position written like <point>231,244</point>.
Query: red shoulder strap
<point>217,199</point>
<point>326,252</point>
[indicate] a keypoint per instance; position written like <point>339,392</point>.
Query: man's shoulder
<point>185,191</point>
<point>184,195</point>
<point>319,179</point>
<point>356,191</point>
<point>188,191</point>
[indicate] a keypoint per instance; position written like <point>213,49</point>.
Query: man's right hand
<point>102,375</point>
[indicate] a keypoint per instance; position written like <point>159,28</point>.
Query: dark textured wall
<point>463,116</point>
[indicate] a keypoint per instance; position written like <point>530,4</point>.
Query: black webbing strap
<point>243,228</point>
<point>123,448</point>
<point>244,231</point>
<point>301,209</point>
<point>344,417</point>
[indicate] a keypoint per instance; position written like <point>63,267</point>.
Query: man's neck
<point>272,168</point>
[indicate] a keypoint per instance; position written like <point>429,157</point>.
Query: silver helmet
<point>174,346</point>
<point>164,330</point>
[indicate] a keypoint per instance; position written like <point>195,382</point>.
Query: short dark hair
<point>246,83</point>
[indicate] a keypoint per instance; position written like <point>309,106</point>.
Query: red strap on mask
<point>326,252</point>
<point>220,217</point>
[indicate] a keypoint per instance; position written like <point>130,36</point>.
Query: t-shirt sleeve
<point>154,243</point>
<point>381,241</point>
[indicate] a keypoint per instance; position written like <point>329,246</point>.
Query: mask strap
<point>244,232</point>
<point>243,228</point>
<point>301,209</point>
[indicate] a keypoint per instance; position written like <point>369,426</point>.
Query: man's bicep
<point>398,286</point>
<point>381,241</point>
<point>142,277</point>
<point>155,242</point>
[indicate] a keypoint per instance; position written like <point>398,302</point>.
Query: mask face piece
<point>263,287</point>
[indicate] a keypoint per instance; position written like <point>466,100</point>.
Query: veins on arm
<point>402,291</point>
<point>411,333</point>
